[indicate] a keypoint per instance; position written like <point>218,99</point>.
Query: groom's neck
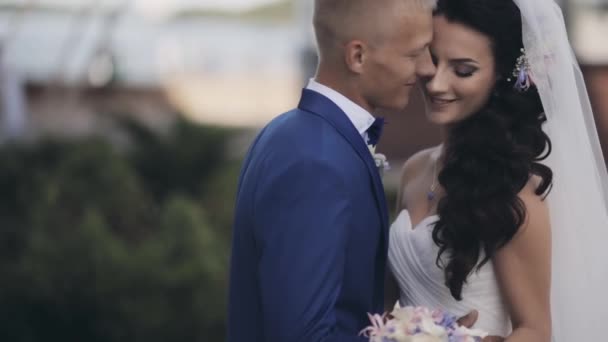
<point>343,86</point>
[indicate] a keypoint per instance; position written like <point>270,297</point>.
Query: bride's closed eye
<point>463,67</point>
<point>464,71</point>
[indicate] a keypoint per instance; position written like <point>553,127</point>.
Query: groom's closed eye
<point>434,59</point>
<point>418,52</point>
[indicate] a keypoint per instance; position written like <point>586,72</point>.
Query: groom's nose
<point>424,65</point>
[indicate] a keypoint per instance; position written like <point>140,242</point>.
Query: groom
<point>311,223</point>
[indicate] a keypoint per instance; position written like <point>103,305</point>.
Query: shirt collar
<point>361,118</point>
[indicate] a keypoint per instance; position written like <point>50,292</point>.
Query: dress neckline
<point>426,218</point>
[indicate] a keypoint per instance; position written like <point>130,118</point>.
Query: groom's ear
<point>355,54</point>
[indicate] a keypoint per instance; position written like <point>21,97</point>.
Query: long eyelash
<point>469,74</point>
<point>465,74</point>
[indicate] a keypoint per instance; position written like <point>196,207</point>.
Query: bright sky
<point>153,8</point>
<point>157,4</point>
<point>164,7</point>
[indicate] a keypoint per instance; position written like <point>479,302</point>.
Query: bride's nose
<point>439,83</point>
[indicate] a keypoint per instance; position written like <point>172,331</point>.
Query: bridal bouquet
<point>418,324</point>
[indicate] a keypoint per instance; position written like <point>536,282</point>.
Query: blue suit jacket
<point>310,231</point>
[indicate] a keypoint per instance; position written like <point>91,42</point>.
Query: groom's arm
<point>302,216</point>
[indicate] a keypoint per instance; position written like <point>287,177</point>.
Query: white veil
<point>579,199</point>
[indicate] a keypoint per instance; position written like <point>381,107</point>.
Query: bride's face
<point>465,74</point>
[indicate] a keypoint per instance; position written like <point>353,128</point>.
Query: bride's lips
<point>438,101</point>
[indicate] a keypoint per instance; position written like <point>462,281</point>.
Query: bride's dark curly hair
<point>490,156</point>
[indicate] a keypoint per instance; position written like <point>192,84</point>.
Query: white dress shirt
<point>360,118</point>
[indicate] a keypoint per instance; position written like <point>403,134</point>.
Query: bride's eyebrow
<point>463,60</point>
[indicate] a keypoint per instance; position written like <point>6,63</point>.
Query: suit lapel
<point>320,105</point>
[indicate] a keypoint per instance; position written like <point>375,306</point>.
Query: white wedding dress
<point>412,255</point>
<point>578,205</point>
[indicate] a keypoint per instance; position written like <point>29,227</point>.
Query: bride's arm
<point>523,268</point>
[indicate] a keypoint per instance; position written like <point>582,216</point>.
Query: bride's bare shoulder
<point>537,209</point>
<point>417,163</point>
<point>529,191</point>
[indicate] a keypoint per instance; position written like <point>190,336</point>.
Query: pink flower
<point>418,324</point>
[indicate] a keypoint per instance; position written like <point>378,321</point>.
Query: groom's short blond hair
<point>340,21</point>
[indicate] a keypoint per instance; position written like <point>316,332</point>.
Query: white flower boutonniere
<point>380,160</point>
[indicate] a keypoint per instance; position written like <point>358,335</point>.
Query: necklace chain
<point>431,194</point>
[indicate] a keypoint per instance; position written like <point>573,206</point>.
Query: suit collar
<point>323,107</point>
<point>360,118</point>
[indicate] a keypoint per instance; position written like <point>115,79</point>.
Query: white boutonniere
<point>380,159</point>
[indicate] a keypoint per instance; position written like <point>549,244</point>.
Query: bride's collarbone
<point>421,191</point>
<point>416,202</point>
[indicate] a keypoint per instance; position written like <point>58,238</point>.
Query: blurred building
<point>588,24</point>
<point>67,71</point>
<point>76,111</point>
<point>63,73</point>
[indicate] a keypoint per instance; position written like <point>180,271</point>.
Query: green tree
<point>116,244</point>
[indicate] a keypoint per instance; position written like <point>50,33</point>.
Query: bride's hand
<point>493,339</point>
<point>470,319</point>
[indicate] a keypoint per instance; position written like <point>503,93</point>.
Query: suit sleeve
<point>302,216</point>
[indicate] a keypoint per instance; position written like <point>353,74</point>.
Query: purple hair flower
<point>522,73</point>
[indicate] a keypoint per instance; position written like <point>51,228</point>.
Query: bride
<point>509,215</point>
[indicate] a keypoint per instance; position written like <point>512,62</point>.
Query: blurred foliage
<point>100,243</point>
